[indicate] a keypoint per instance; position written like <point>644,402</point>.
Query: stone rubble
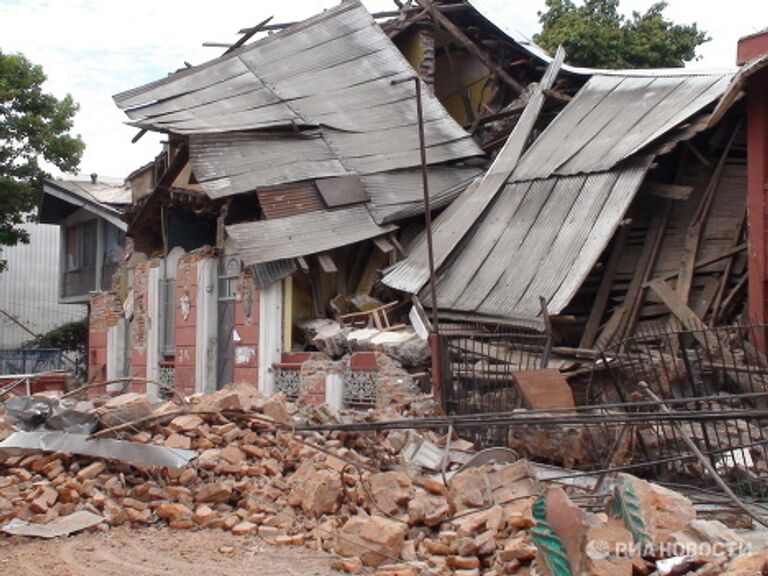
<point>352,494</point>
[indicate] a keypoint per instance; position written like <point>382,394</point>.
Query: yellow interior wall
<point>409,45</point>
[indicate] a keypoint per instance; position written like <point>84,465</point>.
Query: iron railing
<point>30,360</point>
<point>478,366</point>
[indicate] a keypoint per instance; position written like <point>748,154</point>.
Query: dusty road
<point>157,552</point>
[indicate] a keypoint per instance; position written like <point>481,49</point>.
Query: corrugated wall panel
<point>29,287</point>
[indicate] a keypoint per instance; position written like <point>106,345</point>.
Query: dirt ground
<point>157,552</point>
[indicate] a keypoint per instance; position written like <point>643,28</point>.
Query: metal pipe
<point>425,186</point>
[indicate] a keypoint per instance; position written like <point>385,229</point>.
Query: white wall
<point>29,288</point>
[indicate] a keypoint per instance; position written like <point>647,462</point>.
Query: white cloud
<point>94,49</point>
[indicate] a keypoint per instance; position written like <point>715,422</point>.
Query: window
<point>168,312</point>
<point>114,244</point>
<point>81,246</point>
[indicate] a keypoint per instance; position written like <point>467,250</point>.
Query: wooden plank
<point>626,314</point>
<point>600,301</point>
<point>327,263</point>
<point>707,261</point>
<point>704,335</point>
<point>726,276</point>
<point>669,191</point>
<point>693,235</point>
<point>248,35</point>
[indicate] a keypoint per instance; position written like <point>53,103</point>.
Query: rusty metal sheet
<point>289,200</point>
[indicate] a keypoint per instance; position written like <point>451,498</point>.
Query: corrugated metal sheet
<point>289,200</point>
<point>613,117</point>
<point>399,194</point>
<point>452,226</point>
<point>267,273</point>
<point>610,119</point>
<point>539,238</point>
<point>29,288</point>
<point>99,192</point>
<point>268,240</point>
<point>332,72</point>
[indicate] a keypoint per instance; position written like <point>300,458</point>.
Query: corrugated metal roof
<point>332,73</point>
<point>267,273</point>
<point>542,234</point>
<point>268,240</point>
<point>539,238</point>
<point>399,194</point>
<point>98,192</point>
<point>613,117</point>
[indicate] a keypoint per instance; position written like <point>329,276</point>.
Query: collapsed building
<point>291,178</point>
<point>580,311</point>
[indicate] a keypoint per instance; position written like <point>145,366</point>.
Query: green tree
<point>34,127</point>
<point>596,34</point>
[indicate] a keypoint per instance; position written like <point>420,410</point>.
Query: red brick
<point>363,362</point>
<point>185,336</point>
<point>246,374</point>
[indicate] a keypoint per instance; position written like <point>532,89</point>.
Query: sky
<point>93,49</point>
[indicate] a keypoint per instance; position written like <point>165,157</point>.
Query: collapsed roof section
<point>539,234</point>
<point>314,101</point>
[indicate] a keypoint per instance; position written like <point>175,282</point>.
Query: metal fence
<point>478,366</point>
<point>716,382</point>
<point>713,385</point>
<point>29,360</point>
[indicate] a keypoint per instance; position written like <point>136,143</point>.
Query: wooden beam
<point>696,228</point>
<point>669,191</point>
<point>704,336</point>
<point>473,49</point>
<point>327,263</point>
<point>711,260</point>
<point>600,301</point>
<point>248,35</point>
<point>726,275</point>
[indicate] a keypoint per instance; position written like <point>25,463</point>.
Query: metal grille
<point>359,389</point>
<point>29,361</point>
<point>166,378</point>
<point>287,381</point>
<point>478,366</point>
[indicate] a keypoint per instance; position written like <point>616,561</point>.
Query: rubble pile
<point>358,495</point>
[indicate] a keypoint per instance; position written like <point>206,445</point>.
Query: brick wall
<point>105,311</point>
<point>246,351</point>
<point>140,322</point>
<point>186,322</point>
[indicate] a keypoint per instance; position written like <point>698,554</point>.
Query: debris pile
<point>363,497</point>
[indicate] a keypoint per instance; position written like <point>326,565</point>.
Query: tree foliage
<point>34,127</point>
<point>69,337</point>
<point>596,34</point>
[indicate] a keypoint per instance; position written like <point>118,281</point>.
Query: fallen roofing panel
<point>613,117</point>
<point>456,222</point>
<point>61,526</point>
<point>331,74</point>
<point>133,452</point>
<point>268,240</point>
<point>539,238</point>
<point>399,194</point>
